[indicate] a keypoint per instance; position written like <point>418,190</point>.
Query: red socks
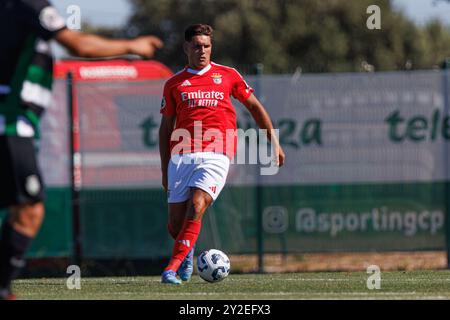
<point>184,243</point>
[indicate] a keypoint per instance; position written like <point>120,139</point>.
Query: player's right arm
<point>165,132</point>
<point>92,46</point>
<point>168,111</point>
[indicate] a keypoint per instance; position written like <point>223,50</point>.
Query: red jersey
<point>201,102</point>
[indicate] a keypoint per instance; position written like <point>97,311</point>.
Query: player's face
<point>198,51</point>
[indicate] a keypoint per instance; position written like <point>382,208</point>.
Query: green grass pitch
<point>293,286</point>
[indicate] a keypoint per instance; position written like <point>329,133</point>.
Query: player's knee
<point>200,203</point>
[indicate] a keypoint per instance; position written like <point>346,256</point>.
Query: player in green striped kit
<point>26,27</point>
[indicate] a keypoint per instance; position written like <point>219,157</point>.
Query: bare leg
<point>187,236</point>
<point>27,219</point>
<point>199,202</point>
<point>22,226</point>
<point>177,215</point>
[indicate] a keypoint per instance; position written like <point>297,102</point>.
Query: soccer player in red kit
<point>195,142</point>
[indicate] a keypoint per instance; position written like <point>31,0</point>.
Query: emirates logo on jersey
<point>201,98</point>
<point>213,189</point>
<point>217,78</point>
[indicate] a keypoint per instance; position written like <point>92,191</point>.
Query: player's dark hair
<point>198,30</point>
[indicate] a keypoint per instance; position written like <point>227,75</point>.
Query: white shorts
<point>204,170</point>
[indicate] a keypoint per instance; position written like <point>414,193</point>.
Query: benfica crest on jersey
<point>217,78</point>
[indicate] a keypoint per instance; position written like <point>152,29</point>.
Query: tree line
<point>288,35</point>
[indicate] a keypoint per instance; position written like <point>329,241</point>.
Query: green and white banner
<point>367,166</point>
<point>358,128</point>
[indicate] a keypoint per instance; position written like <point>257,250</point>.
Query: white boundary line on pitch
<point>88,280</point>
<point>310,294</point>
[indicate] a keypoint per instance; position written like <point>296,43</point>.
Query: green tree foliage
<point>317,36</point>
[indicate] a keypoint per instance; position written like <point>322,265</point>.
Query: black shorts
<point>20,178</point>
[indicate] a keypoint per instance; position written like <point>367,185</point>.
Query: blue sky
<point>423,10</point>
<point>98,12</point>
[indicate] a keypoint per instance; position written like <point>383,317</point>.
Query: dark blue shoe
<point>170,277</point>
<point>187,266</point>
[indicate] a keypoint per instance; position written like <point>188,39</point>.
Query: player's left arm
<point>93,46</point>
<point>262,119</point>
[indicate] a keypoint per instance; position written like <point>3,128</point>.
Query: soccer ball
<point>213,265</point>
